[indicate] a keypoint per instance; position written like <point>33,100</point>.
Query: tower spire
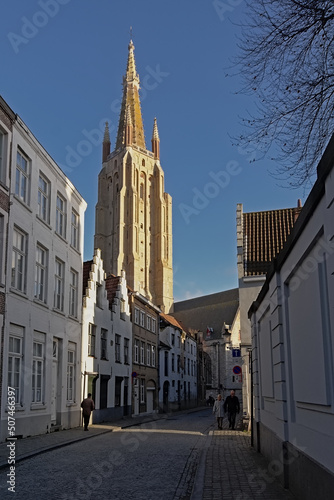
<point>155,141</point>
<point>106,143</point>
<point>131,104</point>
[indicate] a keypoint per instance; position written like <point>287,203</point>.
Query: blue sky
<point>62,68</point>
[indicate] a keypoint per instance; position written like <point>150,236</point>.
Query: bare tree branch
<point>286,59</point>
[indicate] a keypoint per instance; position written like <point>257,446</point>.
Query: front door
<point>54,387</point>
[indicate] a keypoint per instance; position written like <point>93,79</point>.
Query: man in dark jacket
<point>231,407</point>
<point>87,406</point>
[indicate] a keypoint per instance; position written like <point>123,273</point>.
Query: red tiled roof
<point>173,321</point>
<point>264,234</point>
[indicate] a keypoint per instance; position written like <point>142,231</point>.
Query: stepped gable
<point>208,311</point>
<point>112,283</point>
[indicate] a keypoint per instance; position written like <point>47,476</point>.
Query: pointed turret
<point>106,143</point>
<point>155,141</point>
<point>131,106</point>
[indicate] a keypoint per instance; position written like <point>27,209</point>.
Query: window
<point>178,363</point>
<point>61,216</point>
<point>71,373</point>
<point>148,354</point>
<point>2,247</point>
<point>126,351</point>
<point>59,285</point>
<point>3,153</point>
<point>75,230</point>
<point>91,339</point>
<point>154,322</point>
<point>19,260</point>
<point>173,338</point>
<point>40,274</point>
<point>37,372</point>
<point>142,353</point>
<point>136,316</point>
<point>148,322</point>
<point>136,351</point>
<point>122,309</point>
<point>104,336</point>
<point>22,176</point>
<point>73,311</point>
<point>117,348</point>
<point>173,362</point>
<point>153,359</point>
<point>142,390</point>
<point>142,319</point>
<point>188,366</point>
<point>44,198</point>
<point>15,355</point>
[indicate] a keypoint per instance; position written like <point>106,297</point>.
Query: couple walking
<point>231,406</point>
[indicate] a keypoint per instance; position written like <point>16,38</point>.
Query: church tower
<point>133,221</point>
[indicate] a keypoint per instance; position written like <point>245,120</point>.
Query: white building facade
<point>293,349</point>
<point>177,366</point>
<point>106,361</point>
<point>42,331</point>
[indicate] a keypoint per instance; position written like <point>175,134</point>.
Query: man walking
<point>218,410</point>
<point>232,407</point>
<point>87,406</point>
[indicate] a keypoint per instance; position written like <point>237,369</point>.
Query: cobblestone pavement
<point>220,465</point>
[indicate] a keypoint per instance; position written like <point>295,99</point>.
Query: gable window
<point>91,339</point>
<point>40,273</point>
<point>19,260</point>
<point>61,216</point>
<point>22,176</point>
<point>43,198</point>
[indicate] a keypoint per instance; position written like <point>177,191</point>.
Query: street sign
<point>236,353</point>
<point>237,369</point>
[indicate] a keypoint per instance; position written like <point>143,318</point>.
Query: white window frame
<point>37,378</point>
<point>91,340</point>
<point>75,229</point>
<point>104,343</point>
<point>15,357</point>
<point>148,322</point>
<point>22,176</point>
<point>19,254</point>
<point>126,351</point>
<point>61,216</point>
<point>118,348</point>
<point>44,191</point>
<point>59,285</point>
<point>137,316</point>
<point>73,295</point>
<point>154,356</point>
<point>41,273</point>
<point>142,353</point>
<point>142,319</point>
<point>71,379</point>
<point>154,325</point>
<point>136,352</point>
<point>148,354</point>
<point>3,155</point>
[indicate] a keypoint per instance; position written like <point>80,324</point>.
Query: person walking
<point>232,407</point>
<point>218,410</point>
<point>87,406</point>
